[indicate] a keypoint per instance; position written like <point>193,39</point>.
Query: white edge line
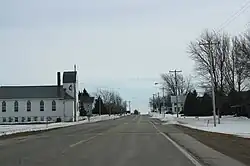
<point>188,155</point>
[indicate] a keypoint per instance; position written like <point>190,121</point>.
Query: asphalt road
<point>129,141</point>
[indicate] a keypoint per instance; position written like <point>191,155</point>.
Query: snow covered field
<point>12,129</point>
<point>239,126</point>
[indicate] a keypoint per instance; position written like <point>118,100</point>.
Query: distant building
<point>23,104</point>
<point>180,105</point>
<point>86,103</point>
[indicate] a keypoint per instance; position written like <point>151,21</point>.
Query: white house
<point>178,106</point>
<point>22,104</point>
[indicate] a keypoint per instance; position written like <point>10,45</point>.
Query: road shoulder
<point>230,145</point>
<point>206,155</point>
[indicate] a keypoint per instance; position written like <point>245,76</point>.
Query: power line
<point>244,7</point>
<point>235,15</point>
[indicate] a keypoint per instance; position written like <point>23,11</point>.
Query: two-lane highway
<point>129,141</point>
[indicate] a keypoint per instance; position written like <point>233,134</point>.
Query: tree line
<point>110,102</point>
<point>228,62</point>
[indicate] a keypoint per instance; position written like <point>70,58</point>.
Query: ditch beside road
<point>230,145</point>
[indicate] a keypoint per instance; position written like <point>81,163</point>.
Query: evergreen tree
<point>82,111</point>
<point>191,104</point>
<point>206,107</point>
<point>136,112</point>
<point>195,93</point>
<point>96,108</point>
<point>187,104</point>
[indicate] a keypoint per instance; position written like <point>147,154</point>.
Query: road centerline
<point>84,140</point>
<point>91,138</point>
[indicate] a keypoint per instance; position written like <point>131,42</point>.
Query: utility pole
<point>126,107</point>
<point>158,103</point>
<point>99,103</point>
<point>129,102</point>
<point>211,59</point>
<point>75,102</point>
<point>163,96</point>
<point>153,102</point>
<point>176,89</point>
<point>163,100</point>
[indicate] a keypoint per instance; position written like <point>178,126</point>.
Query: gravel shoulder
<point>230,145</point>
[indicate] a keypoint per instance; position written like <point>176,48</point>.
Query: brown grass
<point>230,145</point>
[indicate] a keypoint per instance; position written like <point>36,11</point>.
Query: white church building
<point>27,104</point>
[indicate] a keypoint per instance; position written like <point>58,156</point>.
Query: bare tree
<point>220,61</point>
<point>229,72</point>
<point>229,64</point>
<point>239,62</point>
<point>236,71</point>
<point>184,84</point>
<point>105,95</point>
<point>153,103</point>
<point>124,105</point>
<point>169,83</point>
<point>202,55</point>
<point>112,100</point>
<point>222,50</point>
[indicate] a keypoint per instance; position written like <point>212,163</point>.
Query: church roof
<point>22,92</point>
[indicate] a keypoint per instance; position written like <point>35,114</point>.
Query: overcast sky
<point>119,44</point>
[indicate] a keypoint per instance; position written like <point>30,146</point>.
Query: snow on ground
<point>12,129</point>
<point>239,126</point>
